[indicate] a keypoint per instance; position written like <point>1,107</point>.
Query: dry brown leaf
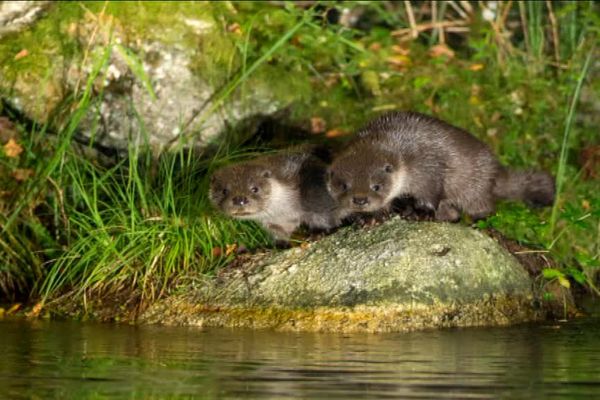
<point>217,252</point>
<point>235,28</point>
<point>317,125</point>
<point>22,174</point>
<point>23,53</point>
<point>7,129</point>
<point>441,50</point>
<point>35,311</point>
<point>399,61</point>
<point>12,149</point>
<point>230,249</point>
<point>403,51</point>
<point>332,133</point>
<point>585,204</point>
<point>375,46</point>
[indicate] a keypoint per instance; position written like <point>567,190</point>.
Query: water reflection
<point>73,360</point>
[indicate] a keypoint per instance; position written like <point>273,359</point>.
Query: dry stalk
<point>554,25</point>
<point>458,10</point>
<point>523,15</point>
<point>434,19</point>
<point>430,25</point>
<point>411,19</point>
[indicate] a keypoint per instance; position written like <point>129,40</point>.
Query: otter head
<point>363,180</point>
<point>241,190</point>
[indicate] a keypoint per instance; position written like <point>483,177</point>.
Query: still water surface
<point>65,360</point>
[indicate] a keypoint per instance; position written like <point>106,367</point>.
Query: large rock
<point>164,80</point>
<point>394,277</point>
<point>18,15</point>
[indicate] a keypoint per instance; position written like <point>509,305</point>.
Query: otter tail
<point>533,187</point>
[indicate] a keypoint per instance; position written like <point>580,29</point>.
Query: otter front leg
<point>446,211</point>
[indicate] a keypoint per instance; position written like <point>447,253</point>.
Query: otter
<point>281,191</point>
<point>443,168</point>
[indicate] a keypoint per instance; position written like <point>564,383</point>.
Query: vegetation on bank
<point>512,74</point>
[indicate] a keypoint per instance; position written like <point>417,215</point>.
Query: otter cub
<point>444,168</point>
<point>280,191</point>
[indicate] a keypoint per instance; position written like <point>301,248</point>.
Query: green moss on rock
<point>394,277</point>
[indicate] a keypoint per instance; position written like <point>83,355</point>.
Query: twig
<point>61,203</point>
<point>553,24</point>
<point>467,6</point>
<point>523,16</point>
<point>430,25</point>
<point>458,10</point>
<point>434,17</point>
<point>411,20</point>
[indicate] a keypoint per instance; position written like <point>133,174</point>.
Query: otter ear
<point>389,168</point>
<point>266,173</point>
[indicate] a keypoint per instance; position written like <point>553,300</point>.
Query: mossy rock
<point>165,77</point>
<point>397,276</point>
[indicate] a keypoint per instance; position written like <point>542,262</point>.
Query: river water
<point>44,360</point>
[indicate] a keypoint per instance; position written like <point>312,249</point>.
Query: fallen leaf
<point>399,61</point>
<point>12,149</point>
<point>35,311</point>
<point>585,204</point>
<point>304,245</point>
<point>23,53</point>
<point>235,28</point>
<point>375,46</point>
<point>332,133</point>
<point>230,249</point>
<point>7,129</point>
<point>564,282</point>
<point>317,125</point>
<point>13,309</point>
<point>441,50</point>
<point>217,251</point>
<point>476,67</point>
<point>22,174</point>
<point>404,51</point>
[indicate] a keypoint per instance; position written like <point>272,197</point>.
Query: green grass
<point>79,227</point>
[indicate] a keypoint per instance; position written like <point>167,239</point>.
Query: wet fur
<point>291,192</point>
<point>444,168</point>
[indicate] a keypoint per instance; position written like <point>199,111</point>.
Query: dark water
<point>42,360</point>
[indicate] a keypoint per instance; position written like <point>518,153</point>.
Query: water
<point>65,360</point>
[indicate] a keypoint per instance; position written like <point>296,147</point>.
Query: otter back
<point>444,168</point>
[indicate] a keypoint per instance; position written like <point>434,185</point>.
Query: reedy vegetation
<point>140,226</point>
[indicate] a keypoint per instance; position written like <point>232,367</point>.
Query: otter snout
<point>239,200</point>
<point>360,200</point>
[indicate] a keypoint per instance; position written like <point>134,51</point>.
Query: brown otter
<point>444,168</point>
<point>280,191</point>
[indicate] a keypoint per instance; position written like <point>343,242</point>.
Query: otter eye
<point>254,189</point>
<point>388,168</point>
<point>225,192</point>
<point>344,186</point>
<point>375,188</point>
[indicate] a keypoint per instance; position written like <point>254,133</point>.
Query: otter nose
<point>239,200</point>
<point>360,201</point>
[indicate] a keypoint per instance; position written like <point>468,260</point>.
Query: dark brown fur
<point>280,191</point>
<point>444,168</point>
